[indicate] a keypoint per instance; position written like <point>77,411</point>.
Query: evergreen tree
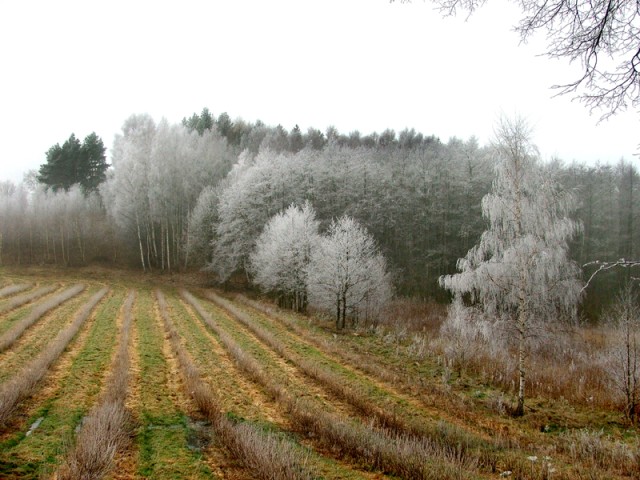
<point>93,165</point>
<point>75,163</point>
<point>296,143</point>
<point>205,121</point>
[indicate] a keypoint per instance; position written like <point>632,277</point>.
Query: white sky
<point>83,66</point>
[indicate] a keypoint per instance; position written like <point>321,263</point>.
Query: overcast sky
<point>362,65</point>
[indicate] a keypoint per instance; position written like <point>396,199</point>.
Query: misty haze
<point>195,293</point>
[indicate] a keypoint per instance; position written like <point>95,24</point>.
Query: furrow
<point>244,399</point>
<point>104,430</point>
<point>23,384</point>
<point>267,455</point>
<point>399,454</point>
<point>9,290</point>
<point>10,336</point>
<point>159,409</point>
<point>21,300</point>
<point>68,392</point>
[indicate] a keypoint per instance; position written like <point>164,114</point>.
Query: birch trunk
<point>144,268</point>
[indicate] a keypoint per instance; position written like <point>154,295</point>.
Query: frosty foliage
<point>282,254</point>
<point>521,266</point>
<point>200,225</point>
<point>520,272</point>
<point>55,226</point>
<point>255,190</point>
<point>347,274</point>
<point>465,331</point>
<point>422,205</point>
<point>159,172</point>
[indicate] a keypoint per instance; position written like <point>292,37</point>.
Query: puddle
<point>199,434</point>
<point>35,425</point>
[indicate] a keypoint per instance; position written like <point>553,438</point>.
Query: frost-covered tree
<point>126,191</point>
<point>200,225</point>
<point>283,251</point>
<point>13,208</point>
<point>159,172</point>
<point>519,271</point>
<point>255,190</point>
<point>347,274</point>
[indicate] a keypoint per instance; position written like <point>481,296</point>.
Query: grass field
<point>190,382</point>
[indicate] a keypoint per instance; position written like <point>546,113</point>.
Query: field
<point>107,374</point>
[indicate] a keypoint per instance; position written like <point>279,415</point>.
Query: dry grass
<point>567,368</point>
<point>598,451</point>
<point>20,300</point>
<point>25,382</point>
<point>104,430</point>
<point>413,316</point>
<point>15,288</point>
<point>405,455</point>
<point>10,336</point>
<point>102,434</point>
<point>385,415</point>
<point>365,363</point>
<point>269,456</point>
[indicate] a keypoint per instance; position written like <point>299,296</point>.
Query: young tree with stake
<point>519,272</point>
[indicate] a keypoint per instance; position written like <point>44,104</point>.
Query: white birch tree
<point>200,228</point>
<point>283,252</point>
<point>347,274</point>
<point>126,190</point>
<point>519,271</point>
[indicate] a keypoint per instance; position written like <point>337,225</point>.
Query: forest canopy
<point>198,195</point>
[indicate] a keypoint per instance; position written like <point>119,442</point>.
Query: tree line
<point>199,194</point>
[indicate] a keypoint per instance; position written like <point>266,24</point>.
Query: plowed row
<point>194,385</point>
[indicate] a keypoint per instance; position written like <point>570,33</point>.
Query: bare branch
<point>597,33</point>
<point>604,266</point>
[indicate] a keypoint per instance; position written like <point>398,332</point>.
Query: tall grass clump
<point>267,455</point>
<point>24,383</point>
<point>406,455</point>
<point>15,288</point>
<point>10,336</point>
<point>566,361</point>
<point>597,450</point>
<point>20,300</point>
<point>104,430</point>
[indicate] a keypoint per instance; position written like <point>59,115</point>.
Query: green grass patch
<point>39,453</point>
<point>37,337</point>
<point>9,319</point>
<point>261,352</point>
<point>200,349</point>
<point>162,437</point>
